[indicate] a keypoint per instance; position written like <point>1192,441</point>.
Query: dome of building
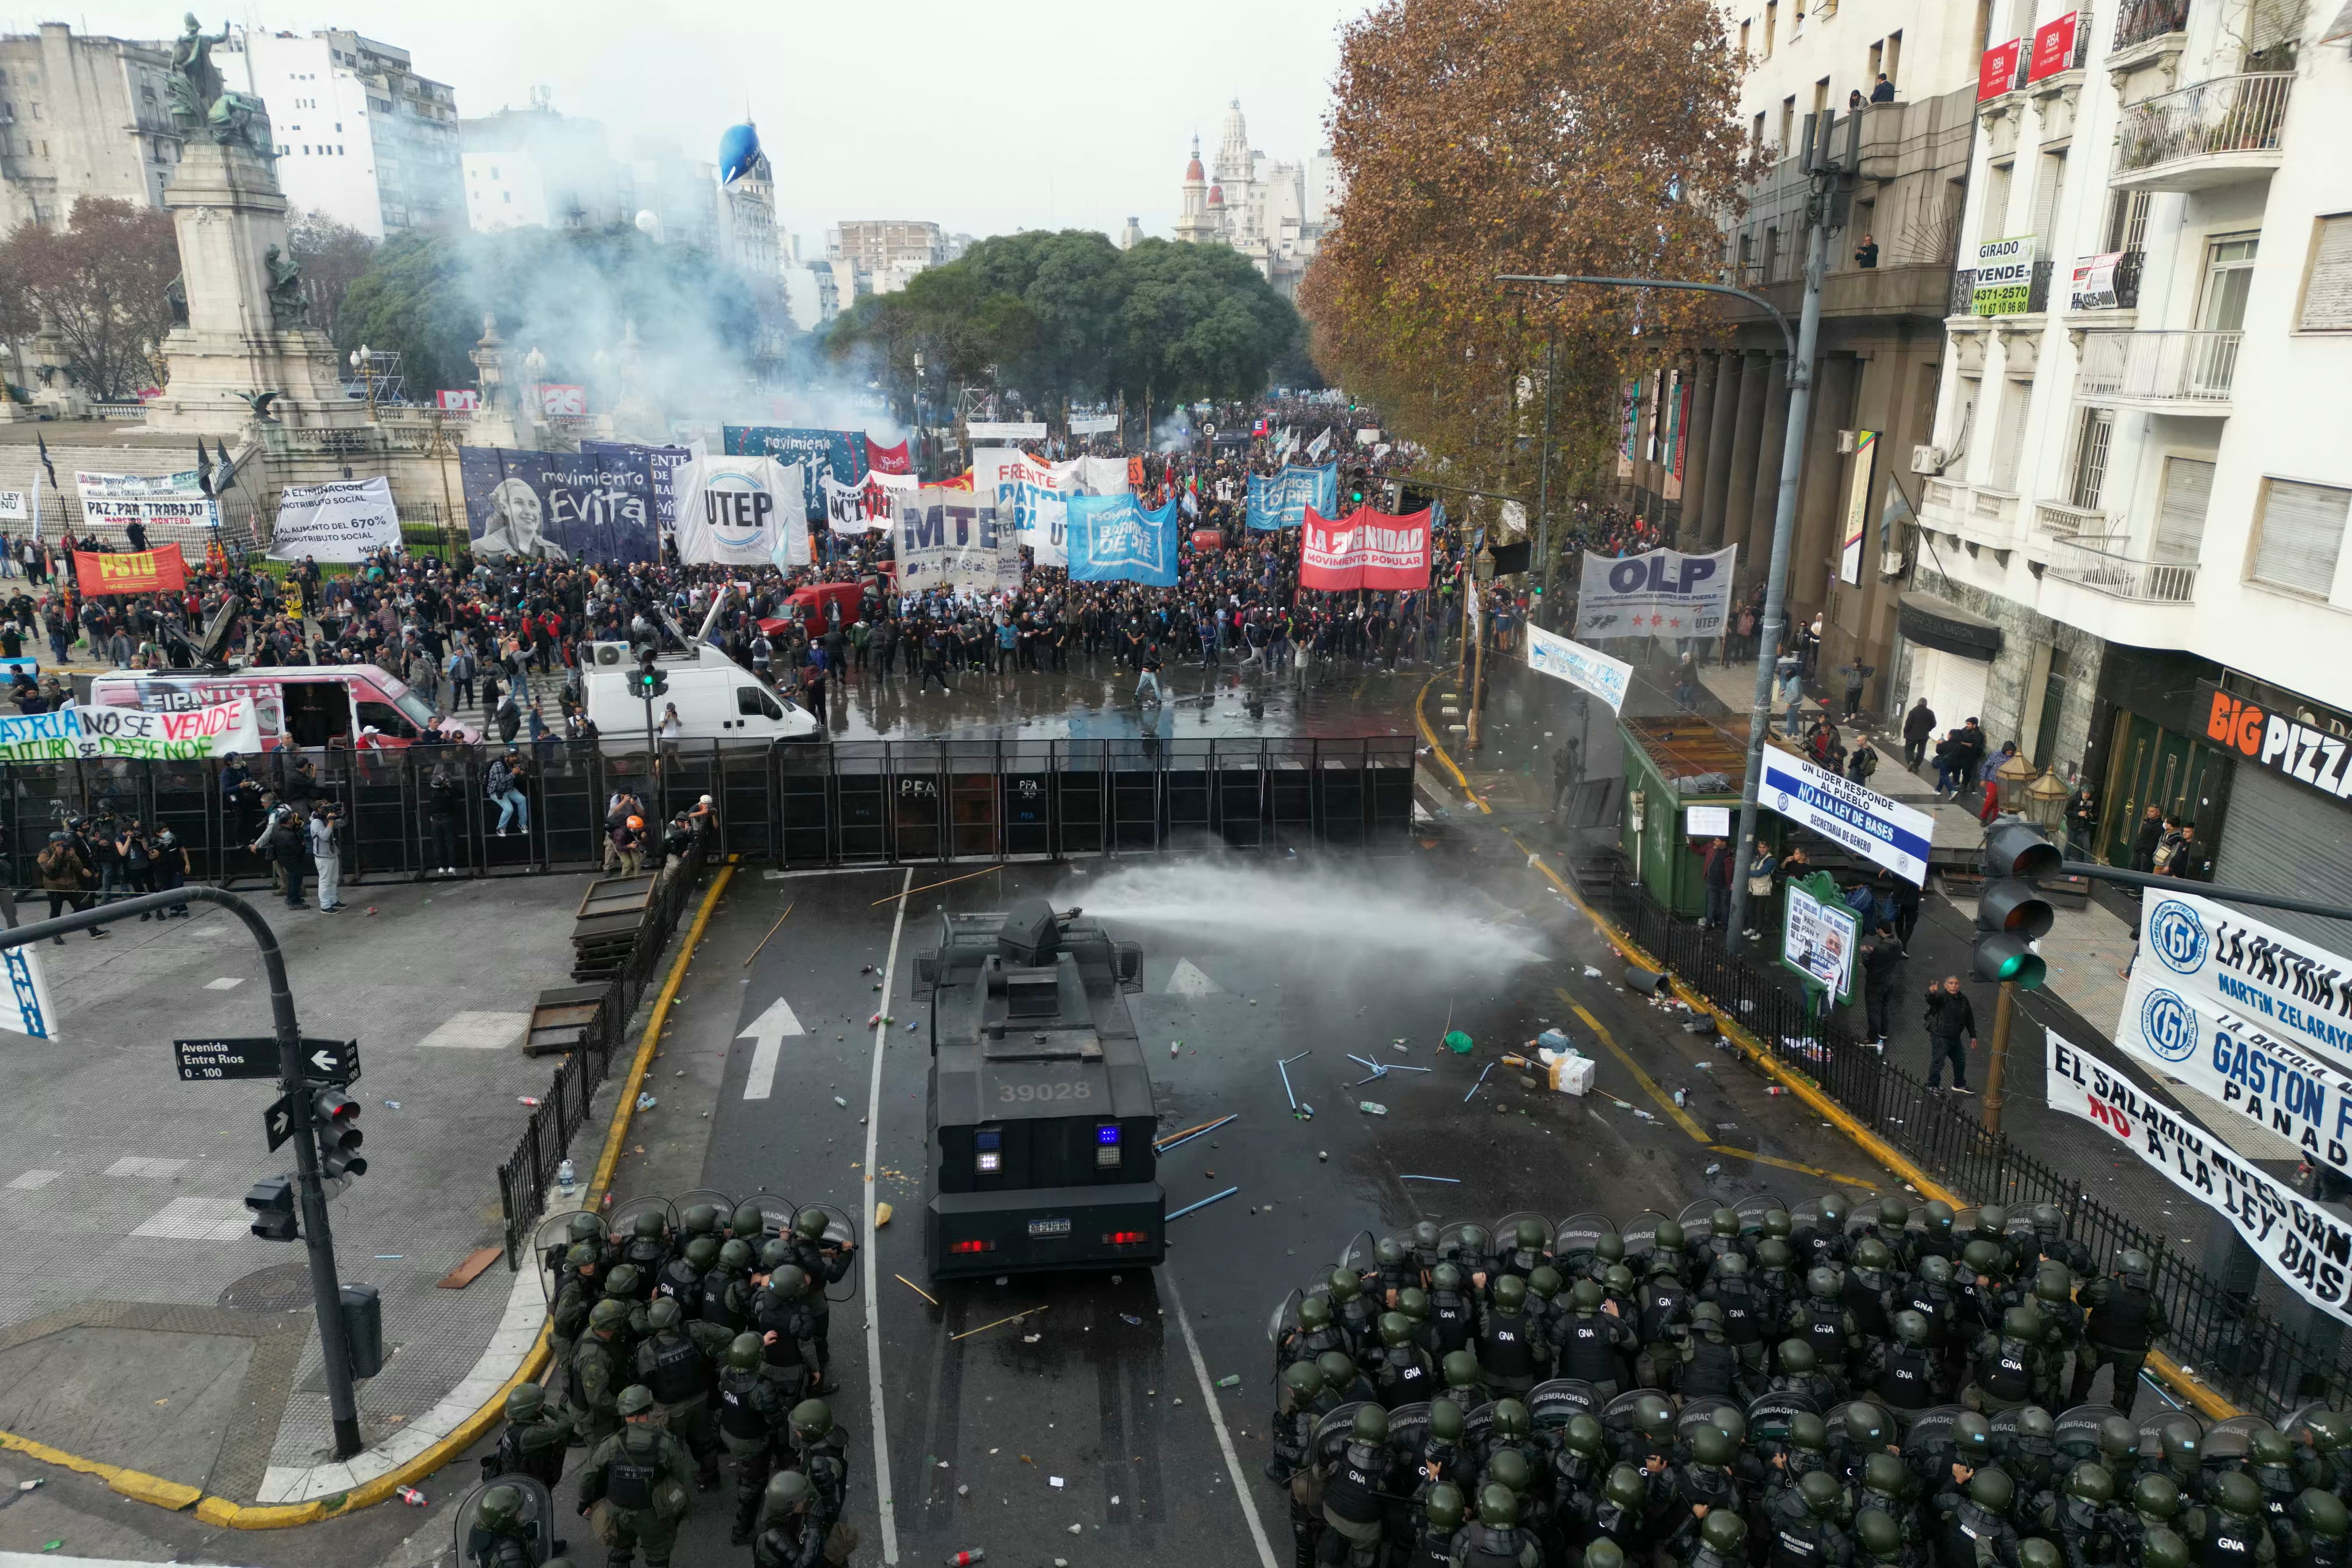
<point>1192,171</point>
<point>1216,195</point>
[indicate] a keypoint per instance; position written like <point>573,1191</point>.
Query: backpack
<point>2164,852</point>
<point>53,860</point>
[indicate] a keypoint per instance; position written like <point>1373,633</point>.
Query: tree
<point>99,283</point>
<point>1480,137</point>
<point>331,256</point>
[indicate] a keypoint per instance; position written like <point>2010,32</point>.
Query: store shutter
<point>2301,530</point>
<point>2180,524</point>
<point>2284,838</point>
<point>1954,687</point>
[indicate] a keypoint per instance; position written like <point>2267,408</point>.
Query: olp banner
<point>77,732</point>
<point>2294,989</point>
<point>2307,1246</point>
<point>2217,1051</point>
<point>1664,594</point>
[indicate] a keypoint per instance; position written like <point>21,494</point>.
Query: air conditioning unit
<point>1926,459</point>
<point>1845,443</point>
<point>1891,564</point>
<point>611,652</point>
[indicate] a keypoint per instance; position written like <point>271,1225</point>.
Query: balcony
<point>2164,372</point>
<point>2217,132</point>
<point>2143,21</point>
<point>2103,564</point>
<point>2060,521</point>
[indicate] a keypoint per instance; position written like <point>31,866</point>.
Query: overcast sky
<point>985,119</point>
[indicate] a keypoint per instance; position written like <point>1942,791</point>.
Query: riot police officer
<point>2234,1536</point>
<point>2083,1535</point>
<point>592,1377</point>
<point>1495,1541</point>
<point>2318,1537</point>
<point>1800,1524</point>
<point>2005,1364</point>
<point>646,1250</point>
<point>1729,1288</point>
<point>790,1535</point>
<point>1446,1458</point>
<point>2124,1317</point>
<point>675,1363</point>
<point>634,1488</point>
<point>820,1451</point>
<point>1441,1519</point>
<point>535,1437</point>
<point>1663,1319</point>
<point>1404,1373</point>
<point>727,1288</point>
<point>500,1537</point>
<point>1453,1318</point>
<point>1710,1363</point>
<point>1822,1242</point>
<point>680,1278</point>
<point>1531,1252</point>
<point>1975,1531</point>
<point>1295,1414</point>
<point>1503,1348</point>
<point>1902,1375</point>
<point>1395,1269</point>
<point>750,1419</point>
<point>786,1325</point>
<point>1355,1482</point>
<point>1822,1322</point>
<point>1588,1340</point>
<point>825,1264</point>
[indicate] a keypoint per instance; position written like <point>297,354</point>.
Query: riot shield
<point>537,1513</point>
<point>2078,1432</point>
<point>1640,1232</point>
<point>1697,1217</point>
<point>623,1216</point>
<point>1930,1432</point>
<point>1574,1238</point>
<point>1331,1433</point>
<point>1770,1415</point>
<point>1506,1231</point>
<point>1841,1420</point>
<point>1719,1413</point>
<point>1408,1425</point>
<point>2298,1420</point>
<point>1357,1256</point>
<point>1617,1415</point>
<point>1284,1321</point>
<point>1560,1400</point>
<point>1751,1210</point>
<point>2151,1428</point>
<point>1476,1426</point>
<point>548,1242</point>
<point>2232,1439</point>
<point>2004,1428</point>
<point>776,1214</point>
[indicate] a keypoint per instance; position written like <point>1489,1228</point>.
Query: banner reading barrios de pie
<point>99,731</point>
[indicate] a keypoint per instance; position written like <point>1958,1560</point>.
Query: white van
<point>715,698</point>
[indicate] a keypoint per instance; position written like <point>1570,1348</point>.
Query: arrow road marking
<point>1190,981</point>
<point>767,1035</point>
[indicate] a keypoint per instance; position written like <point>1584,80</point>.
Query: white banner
<point>2217,1051</point>
<point>741,512</point>
<point>1093,424</point>
<point>1607,679</point>
<point>1005,430</point>
<point>1320,444</point>
<point>1664,594</point>
<point>853,508</point>
<point>1033,495</point>
<point>146,499</point>
<point>951,538</point>
<point>340,521</point>
<point>2294,988</point>
<point>100,730</point>
<point>1819,941</point>
<point>1091,477</point>
<point>1861,821</point>
<point>16,505</point>
<point>2303,1244</point>
<point>25,1005</point>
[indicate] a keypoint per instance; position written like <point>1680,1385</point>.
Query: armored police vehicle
<point>1040,1119</point>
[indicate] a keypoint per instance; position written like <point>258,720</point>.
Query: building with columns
<point>1273,213</point>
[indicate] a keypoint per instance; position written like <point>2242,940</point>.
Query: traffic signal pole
<point>2002,1009</point>
<point>326,1291</point>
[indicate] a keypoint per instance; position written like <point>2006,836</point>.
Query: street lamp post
<point>365,362</point>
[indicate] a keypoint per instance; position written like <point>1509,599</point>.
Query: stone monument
<point>244,328</point>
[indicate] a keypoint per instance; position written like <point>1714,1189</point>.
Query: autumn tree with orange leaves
<point>1479,137</point>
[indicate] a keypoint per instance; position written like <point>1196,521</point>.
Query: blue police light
<point>1106,1134</point>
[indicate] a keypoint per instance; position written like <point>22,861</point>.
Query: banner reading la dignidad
<point>1366,549</point>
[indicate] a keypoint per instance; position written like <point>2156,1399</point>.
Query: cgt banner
<point>840,453</point>
<point>2225,962</point>
<point>742,512</point>
<point>1283,501</point>
<point>2308,1248</point>
<point>2274,1083</point>
<point>1862,820</point>
<point>160,571</point>
<point>1366,549</point>
<point>951,539</point>
<point>341,522</point>
<point>213,731</point>
<point>1662,594</point>
<point>1114,538</point>
<point>557,506</point>
<point>1586,667</point>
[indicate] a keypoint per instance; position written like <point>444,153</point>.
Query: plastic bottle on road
<point>566,1177</point>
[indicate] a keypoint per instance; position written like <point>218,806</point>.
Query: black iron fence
<point>563,1110</point>
<point>2234,1345</point>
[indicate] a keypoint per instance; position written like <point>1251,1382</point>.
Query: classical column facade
<point>1698,442</point>
<point>1715,484</point>
<point>1740,493</point>
<point>1756,553</point>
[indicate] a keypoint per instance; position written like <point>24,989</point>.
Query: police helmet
<point>1773,1253</point>
<point>2157,1496</point>
<point>1776,1224</point>
<point>1992,1490</point>
<point>1866,1425</point>
<point>1809,1432</point>
<point>2322,1513</point>
<point>1510,1468</point>
<point>1544,1283</point>
<point>1461,1369</point>
<point>608,1316</point>
<point>2091,1482</point>
<point>789,1281</point>
<point>1498,1506</point>
<point>2047,1220</point>
<point>702,1253</point>
<point>2118,1441</point>
<point>2052,1284</point>
<point>1413,1303</point>
<point>1301,1378</point>
<point>2235,1492</point>
<point>2021,1323</point>
<point>1618,1280</point>
<point>1724,1223</point>
<point>1822,1283</point>
<point>788,1492</point>
<point>1511,1422</point>
<point>1883,1472</point>
<point>1971,1438</point>
<point>1443,1507</point>
<point>1396,1330</point>
<point>526,1402</point>
<point>1585,1436</point>
<point>1939,1217</point>
<point>501,1508</point>
<point>1424,1236</point>
<point>1338,1371</point>
<point>735,1256</point>
<point>1387,1254</point>
<point>1894,1214</point>
<point>748,1221</point>
<point>809,1225</point>
<point>1724,1532</point>
<point>812,1419</point>
<point>622,1281</point>
<point>2329,1429</point>
<point>2180,1441</point>
<point>1980,1256</point>
<point>586,1227</point>
<point>1653,1417</point>
<point>1880,1535</point>
<point>1873,1254</point>
<point>1625,1488</point>
<point>2137,1269</point>
<point>2035,1422</point>
<point>1510,1292</point>
<point>1604,1553</point>
<point>1344,1287</point>
<point>701,1219</point>
<point>2036,1551</point>
<point>1832,1210</point>
<point>647,1226</point>
<point>662,1315</point>
<point>1821,1491</point>
<point>635,1399</point>
<point>1797,1358</point>
<point>1446,1420</point>
<point>1445,1276</point>
<point>774,1254</point>
<point>582,1256</point>
<point>1608,1246</point>
<point>1709,1447</point>
<point>1991,1220</point>
<point>1474,1241</point>
<point>1910,1327</point>
<point>1314,1314</point>
<point>1670,1237</point>
<point>1707,1314</point>
<point>1935,1270</point>
<point>1532,1235</point>
<point>1587,1296</point>
<point>1371,1425</point>
<point>2161,1548</point>
<point>1732,1266</point>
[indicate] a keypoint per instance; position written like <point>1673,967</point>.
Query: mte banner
<point>130,571</point>
<point>1863,821</point>
<point>341,521</point>
<point>77,732</point>
<point>743,511</point>
<point>2303,1244</point>
<point>1585,667</point>
<point>556,506</point>
<point>1113,539</point>
<point>954,540</point>
<point>1283,501</point>
<point>1662,594</point>
<point>840,453</point>
<point>1366,549</point>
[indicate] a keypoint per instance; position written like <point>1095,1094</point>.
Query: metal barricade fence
<point>2236,1346</point>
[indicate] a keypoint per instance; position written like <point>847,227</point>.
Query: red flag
<point>1366,549</point>
<point>887,459</point>
<point>160,571</point>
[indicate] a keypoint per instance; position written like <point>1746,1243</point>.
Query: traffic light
<point>272,1203</point>
<point>337,1117</point>
<point>2011,911</point>
<point>649,682</point>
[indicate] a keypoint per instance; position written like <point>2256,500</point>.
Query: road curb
<point>175,1496</point>
<point>2208,1403</point>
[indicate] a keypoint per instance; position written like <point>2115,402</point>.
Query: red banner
<point>143,572</point>
<point>1135,473</point>
<point>1998,74</point>
<point>1366,549</point>
<point>887,459</point>
<point>1208,539</point>
<point>2053,48</point>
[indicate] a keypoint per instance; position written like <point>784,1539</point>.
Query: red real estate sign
<point>1366,549</point>
<point>2053,48</point>
<point>1999,72</point>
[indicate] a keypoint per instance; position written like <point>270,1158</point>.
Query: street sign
<point>210,1060</point>
<point>279,1120</point>
<point>337,1061</point>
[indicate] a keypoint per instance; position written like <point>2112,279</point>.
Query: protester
<point>1950,1020</point>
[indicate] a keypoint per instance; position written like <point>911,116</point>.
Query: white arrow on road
<point>767,1037</point>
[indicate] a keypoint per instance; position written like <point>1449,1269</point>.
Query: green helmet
<point>1443,1507</point>
<point>1608,1246</point>
<point>2052,1284</point>
<point>1625,1488</point>
<point>1773,1253</point>
<point>1797,1358</point>
<point>1371,1425</point>
<point>2047,1220</point>
<point>2022,1322</point>
<point>585,1227</point>
<point>1729,1420</point>
<point>1809,1432</point>
<point>663,1314</point>
<point>1510,1293</point>
<point>1980,1256</point>
<point>1724,1223</point>
<point>1604,1553</point>
<point>1544,1283</point>
<point>2329,1429</point>
<point>1653,1417</point>
<point>608,1316</point>
<point>1301,1378</point>
<point>1821,1284</point>
<point>1992,1490</point>
<point>1617,1279</point>
<point>2036,1551</point>
<point>1670,1236</point>
<point>1498,1506</point>
<point>582,1256</point>
<point>2157,1496</point>
<point>647,1226</point>
<point>1586,1297</point>
<point>1873,1254</point>
<point>1776,1224</point>
<point>526,1402</point>
<point>2035,1422</point>
<point>1991,1220</point>
<point>702,1253</point>
<point>744,1352</point>
<point>635,1399</point>
<point>1910,1327</point>
<point>2136,1267</point>
<point>1832,1210</point>
<point>735,1256</point>
<point>1445,1276</point>
<point>1821,1491</point>
<point>1338,1370</point>
<point>1707,1314</point>
<point>1881,1536</point>
<point>1971,1438</point>
<point>1883,1472</point>
<point>1866,1425</point>
<point>789,1281</point>
<point>622,1281</point>
<point>1709,1447</point>
<point>1387,1253</point>
<point>1534,1235</point>
<point>788,1492</point>
<point>701,1219</point>
<point>1425,1236</point>
<point>2180,1443</point>
<point>1725,1533</point>
<point>774,1254</point>
<point>501,1508</point>
<point>809,1225</point>
<point>1935,1270</point>
<point>748,1221</point>
<point>1511,1422</point>
<point>1413,1303</point>
<point>2091,1482</point>
<point>1939,1217</point>
<point>1732,1266</point>
<point>2160,1548</point>
<point>1446,1420</point>
<point>2269,1446</point>
<point>1344,1286</point>
<point>2118,1441</point>
<point>1314,1314</point>
<point>1473,1240</point>
<point>2235,1492</point>
<point>1894,1214</point>
<point>2322,1513</point>
<point>1585,1437</point>
<point>1396,1330</point>
<point>1510,1466</point>
<point>1461,1369</point>
<point>812,1419</point>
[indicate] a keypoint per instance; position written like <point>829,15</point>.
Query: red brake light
<point>972,1247</point>
<point>1125,1237</point>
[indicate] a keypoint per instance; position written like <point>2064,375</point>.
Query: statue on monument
<point>195,80</point>
<point>288,305</point>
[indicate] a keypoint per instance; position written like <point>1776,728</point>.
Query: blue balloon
<point>739,149</point>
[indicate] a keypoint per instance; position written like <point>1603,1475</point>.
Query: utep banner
<point>2294,989</point>
<point>341,521</point>
<point>2270,1081</point>
<point>2308,1248</point>
<point>1112,538</point>
<point>743,511</point>
<point>840,453</point>
<point>1864,821</point>
<point>1366,549</point>
<point>953,538</point>
<point>130,571</point>
<point>213,731</point>
<point>555,506</point>
<point>147,498</point>
<point>651,470</point>
<point>1662,594</point>
<point>1282,500</point>
<point>1588,667</point>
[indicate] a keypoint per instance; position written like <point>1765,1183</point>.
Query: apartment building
<point>82,115</point>
<point>362,138</point>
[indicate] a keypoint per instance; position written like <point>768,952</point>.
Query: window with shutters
<point>2009,438</point>
<point>2273,27</point>
<point>2180,514</point>
<point>1993,224</point>
<point>2092,438</point>
<point>2126,220</point>
<point>2327,287</point>
<point>2048,189</point>
<point>2299,533</point>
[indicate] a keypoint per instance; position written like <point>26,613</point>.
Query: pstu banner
<point>213,731</point>
<point>147,500</point>
<point>2307,1246</point>
<point>1366,549</point>
<point>341,521</point>
<point>1586,667</point>
<point>2221,959</point>
<point>1282,500</point>
<point>130,571</point>
<point>1865,821</point>
<point>743,511</point>
<point>840,453</point>
<point>1113,539</point>
<point>2217,1051</point>
<point>954,540</point>
<point>1662,594</point>
<point>554,506</point>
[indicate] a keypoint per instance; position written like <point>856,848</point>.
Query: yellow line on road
<point>1649,1085</point>
<point>1864,1183</point>
<point>1421,723</point>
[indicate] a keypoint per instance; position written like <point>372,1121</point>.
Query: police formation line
<point>1752,1389</point>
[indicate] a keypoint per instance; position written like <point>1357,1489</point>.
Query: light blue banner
<point>1282,501</point>
<point>1113,540</point>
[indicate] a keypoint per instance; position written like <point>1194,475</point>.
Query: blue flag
<point>1113,540</point>
<point>1282,501</point>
